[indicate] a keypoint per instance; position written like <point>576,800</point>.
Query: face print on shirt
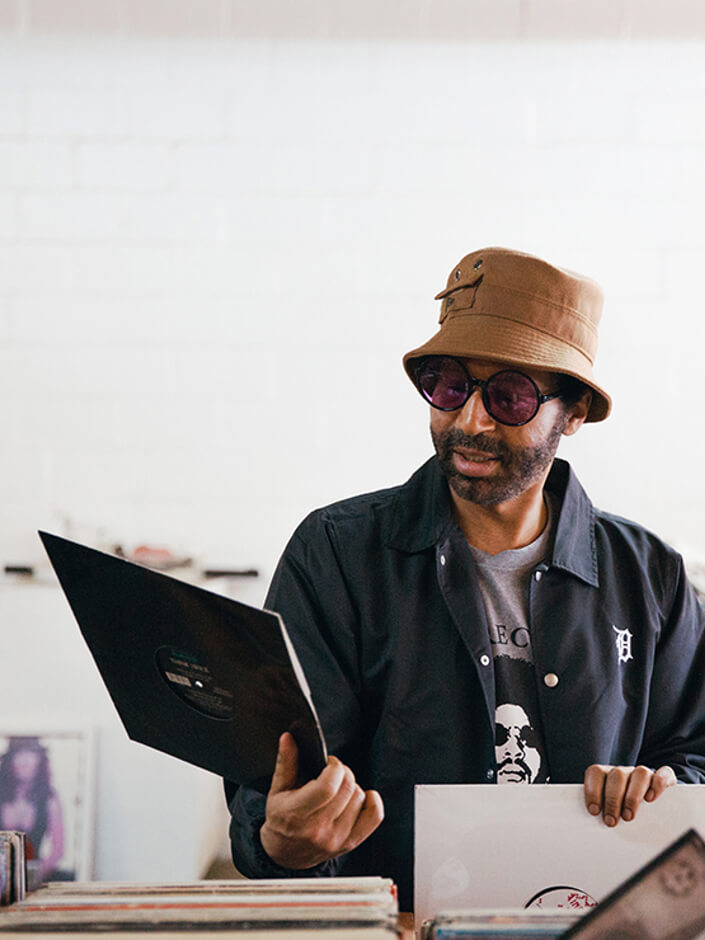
<point>517,754</point>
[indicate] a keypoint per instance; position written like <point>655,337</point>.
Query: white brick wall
<point>311,196</point>
<point>214,253</point>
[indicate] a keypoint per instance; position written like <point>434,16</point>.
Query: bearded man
<point>408,606</point>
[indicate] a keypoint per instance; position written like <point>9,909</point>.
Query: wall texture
<point>213,253</point>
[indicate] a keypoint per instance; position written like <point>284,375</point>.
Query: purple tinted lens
<point>512,397</point>
<point>444,383</point>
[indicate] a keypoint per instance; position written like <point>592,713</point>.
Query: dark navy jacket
<point>380,597</point>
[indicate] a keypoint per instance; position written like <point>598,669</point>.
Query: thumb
<point>286,769</point>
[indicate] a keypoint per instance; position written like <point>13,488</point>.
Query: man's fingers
<point>349,810</point>
<point>604,789</point>
<point>296,837</point>
<point>330,790</point>
<point>594,787</point>
<point>662,779</point>
<point>286,769</point>
<point>616,782</point>
<point>638,783</point>
<point>369,818</point>
<point>359,817</point>
<point>617,792</point>
<point>347,795</point>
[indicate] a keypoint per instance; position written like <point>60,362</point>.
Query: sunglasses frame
<point>482,384</point>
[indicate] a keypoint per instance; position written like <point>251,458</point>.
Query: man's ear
<point>577,413</point>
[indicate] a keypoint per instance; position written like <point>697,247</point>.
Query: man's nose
<point>473,416</point>
<point>515,745</point>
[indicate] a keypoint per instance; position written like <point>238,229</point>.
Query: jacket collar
<point>420,513</point>
<point>420,517</point>
<point>574,545</point>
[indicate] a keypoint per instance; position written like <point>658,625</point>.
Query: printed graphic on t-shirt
<point>513,641</point>
<point>505,582</point>
<point>516,746</point>
<point>519,747</point>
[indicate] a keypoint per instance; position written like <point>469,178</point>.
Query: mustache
<point>454,437</point>
<point>514,763</point>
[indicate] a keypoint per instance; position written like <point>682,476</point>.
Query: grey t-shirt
<point>504,583</point>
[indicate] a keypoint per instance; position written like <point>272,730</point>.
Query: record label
<point>562,896</point>
<point>192,680</point>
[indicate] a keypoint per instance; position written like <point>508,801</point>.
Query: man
<point>487,578</point>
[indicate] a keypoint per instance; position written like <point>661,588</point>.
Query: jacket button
<point>538,575</point>
<point>490,774</point>
<point>485,659</point>
<point>551,680</point>
<point>443,559</point>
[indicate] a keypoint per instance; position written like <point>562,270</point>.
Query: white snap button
<point>485,659</point>
<point>490,774</point>
<point>551,680</point>
<point>538,575</point>
<point>443,559</point>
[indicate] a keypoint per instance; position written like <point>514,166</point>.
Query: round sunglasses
<point>509,396</point>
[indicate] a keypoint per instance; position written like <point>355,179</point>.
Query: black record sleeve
<point>192,673</point>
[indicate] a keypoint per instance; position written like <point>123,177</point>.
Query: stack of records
<point>322,908</point>
<point>500,925</point>
<point>13,866</point>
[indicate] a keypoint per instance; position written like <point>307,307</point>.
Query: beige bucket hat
<point>517,309</point>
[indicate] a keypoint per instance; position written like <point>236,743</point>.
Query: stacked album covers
<point>13,866</point>
<point>499,925</point>
<point>322,908</point>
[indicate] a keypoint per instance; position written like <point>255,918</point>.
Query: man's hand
<point>617,792</point>
<point>322,819</point>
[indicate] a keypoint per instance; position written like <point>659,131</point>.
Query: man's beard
<point>520,467</point>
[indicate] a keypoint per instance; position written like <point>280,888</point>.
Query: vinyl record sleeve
<point>537,847</point>
<point>357,887</point>
<point>508,924</point>
<point>197,675</point>
<point>664,900</point>
<point>5,870</point>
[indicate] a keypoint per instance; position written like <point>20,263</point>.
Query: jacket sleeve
<point>309,591</point>
<point>675,729</point>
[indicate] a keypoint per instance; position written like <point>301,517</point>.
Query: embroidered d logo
<point>624,644</point>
